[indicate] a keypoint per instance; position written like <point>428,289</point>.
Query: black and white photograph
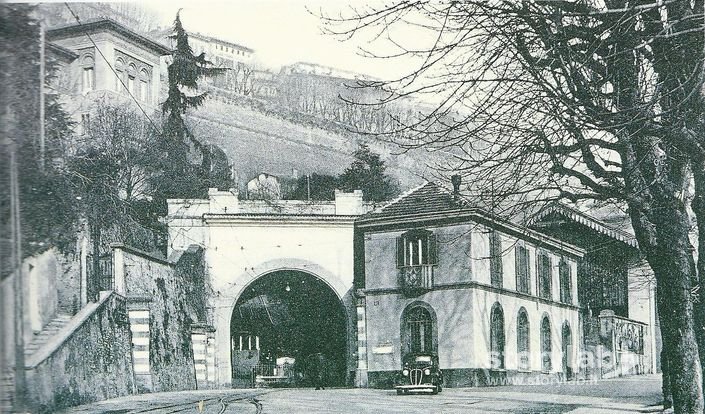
<point>352,206</point>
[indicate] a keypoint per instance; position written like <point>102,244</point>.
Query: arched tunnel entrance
<point>288,328</point>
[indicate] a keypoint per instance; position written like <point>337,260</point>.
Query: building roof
<point>430,201</point>
<point>586,220</point>
<point>426,198</point>
<point>106,24</point>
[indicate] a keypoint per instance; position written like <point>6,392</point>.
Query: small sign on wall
<point>383,348</point>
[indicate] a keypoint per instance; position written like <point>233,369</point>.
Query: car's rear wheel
<point>439,387</point>
<point>400,392</point>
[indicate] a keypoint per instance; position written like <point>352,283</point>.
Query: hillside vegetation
<point>255,141</point>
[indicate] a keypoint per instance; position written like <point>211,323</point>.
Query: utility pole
<point>16,261</point>
<point>42,70</point>
<point>308,187</point>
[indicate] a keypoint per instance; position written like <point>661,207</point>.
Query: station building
<point>490,298</point>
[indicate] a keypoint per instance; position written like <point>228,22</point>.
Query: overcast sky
<point>281,32</point>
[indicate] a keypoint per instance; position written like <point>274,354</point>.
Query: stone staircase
<point>46,334</point>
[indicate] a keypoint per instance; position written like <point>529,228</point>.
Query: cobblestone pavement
<point>633,395</point>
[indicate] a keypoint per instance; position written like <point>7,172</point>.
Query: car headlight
<point>405,372</point>
<point>427,371</point>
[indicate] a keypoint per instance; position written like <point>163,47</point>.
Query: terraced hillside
<point>256,142</point>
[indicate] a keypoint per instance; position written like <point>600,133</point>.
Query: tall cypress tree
<point>178,150</point>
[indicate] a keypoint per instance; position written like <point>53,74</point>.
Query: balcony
<point>416,280</point>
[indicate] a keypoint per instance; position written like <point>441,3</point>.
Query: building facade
<point>616,291</point>
<point>271,264</point>
<point>492,299</point>
<point>111,63</point>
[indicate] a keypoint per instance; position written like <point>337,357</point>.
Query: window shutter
<point>517,266</point>
<point>432,249</point>
<point>400,252</point>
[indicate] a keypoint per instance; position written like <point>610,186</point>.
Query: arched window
<point>131,75</point>
<point>144,85</point>
<point>565,349</point>
<point>523,339</point>
<point>120,70</point>
<point>545,344</point>
<point>418,326</point>
<point>88,79</point>
<point>497,337</point>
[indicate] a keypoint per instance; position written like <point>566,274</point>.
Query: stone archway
<point>288,328</point>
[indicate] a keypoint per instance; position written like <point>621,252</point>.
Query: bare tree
<point>579,100</point>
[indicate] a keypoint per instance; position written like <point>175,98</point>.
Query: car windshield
<point>424,358</point>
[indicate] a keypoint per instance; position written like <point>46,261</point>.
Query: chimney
<point>455,180</point>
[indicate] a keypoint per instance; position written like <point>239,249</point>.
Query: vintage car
<point>420,372</point>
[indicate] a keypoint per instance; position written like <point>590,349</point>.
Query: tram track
<point>202,404</point>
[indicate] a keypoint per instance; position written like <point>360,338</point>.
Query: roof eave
<point>62,52</point>
<point>112,25</point>
<point>411,219</point>
<point>588,221</point>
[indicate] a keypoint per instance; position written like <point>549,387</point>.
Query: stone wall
<point>173,293</point>
<point>89,361</point>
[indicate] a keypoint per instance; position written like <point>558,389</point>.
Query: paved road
<point>632,395</point>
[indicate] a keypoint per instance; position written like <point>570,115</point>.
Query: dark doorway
<point>288,329</point>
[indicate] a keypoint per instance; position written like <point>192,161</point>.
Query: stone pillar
<point>222,202</point>
<point>223,363</point>
<point>139,326</point>
<point>361,377</point>
<point>348,204</point>
<point>119,270</point>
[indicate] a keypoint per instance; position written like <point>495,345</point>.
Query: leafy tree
<point>47,210</point>
<point>367,172</point>
<point>578,100</point>
<point>109,178</point>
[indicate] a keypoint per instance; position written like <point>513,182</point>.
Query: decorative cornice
<point>460,216</point>
<point>331,219</point>
<point>474,285</point>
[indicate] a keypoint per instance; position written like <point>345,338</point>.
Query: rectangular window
<point>131,84</point>
<point>543,263</point>
<point>416,248</point>
<point>88,79</point>
<point>143,91</point>
<point>566,281</point>
<point>496,270</point>
<point>522,270</point>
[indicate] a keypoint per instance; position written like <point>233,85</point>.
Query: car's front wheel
<point>436,390</point>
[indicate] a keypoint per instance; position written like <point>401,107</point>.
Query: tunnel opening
<point>288,329</point>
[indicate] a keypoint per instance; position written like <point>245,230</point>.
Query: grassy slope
<point>256,142</point>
